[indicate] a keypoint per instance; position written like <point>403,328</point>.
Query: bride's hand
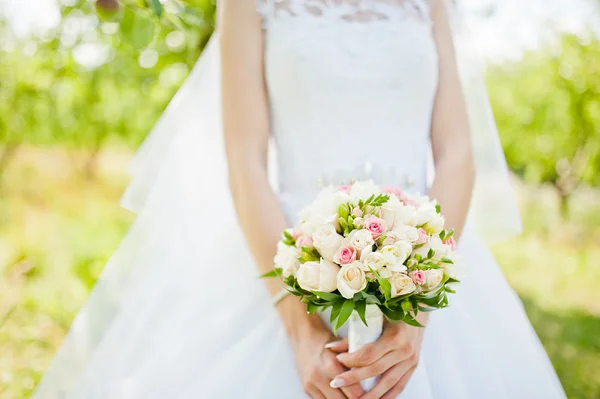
<point>316,364</point>
<point>394,357</point>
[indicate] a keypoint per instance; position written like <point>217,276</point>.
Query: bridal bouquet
<point>361,245</point>
<point>368,252</point>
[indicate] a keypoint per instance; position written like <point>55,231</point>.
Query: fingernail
<point>331,345</point>
<point>337,383</point>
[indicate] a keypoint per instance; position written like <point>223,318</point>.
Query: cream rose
<point>374,261</point>
<point>395,255</point>
<point>434,278</point>
<point>287,259</point>
<point>360,239</point>
<point>318,276</point>
<point>351,279</point>
<point>327,241</point>
<point>401,284</point>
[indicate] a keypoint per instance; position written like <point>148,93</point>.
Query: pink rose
<point>376,226</point>
<point>401,195</point>
<point>345,255</point>
<point>418,277</point>
<point>394,191</point>
<point>345,188</point>
<point>409,202</point>
<point>357,212</point>
<point>304,241</point>
<point>422,237</point>
<point>450,241</point>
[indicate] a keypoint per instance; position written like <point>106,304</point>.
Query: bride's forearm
<point>262,220</point>
<point>453,185</point>
<point>259,213</point>
<point>246,129</point>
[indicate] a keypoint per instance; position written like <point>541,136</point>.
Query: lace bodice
<point>351,88</point>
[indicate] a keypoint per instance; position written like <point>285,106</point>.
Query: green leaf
<point>311,308</point>
<point>335,311</point>
<point>405,305</point>
<point>394,315</point>
<point>273,273</point>
<point>345,313</point>
<point>431,253</point>
<point>408,319</point>
<point>287,239</point>
<point>361,308</point>
<point>157,6</point>
<point>328,296</point>
<point>384,284</point>
<point>442,235</point>
<point>438,208</point>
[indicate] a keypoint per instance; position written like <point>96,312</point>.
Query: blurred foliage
<point>548,111</point>
<point>93,79</point>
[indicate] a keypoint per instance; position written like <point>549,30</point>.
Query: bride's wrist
<point>296,321</point>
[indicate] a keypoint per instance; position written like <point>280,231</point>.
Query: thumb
<point>338,346</point>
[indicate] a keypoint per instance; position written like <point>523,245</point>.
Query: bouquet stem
<point>360,335</point>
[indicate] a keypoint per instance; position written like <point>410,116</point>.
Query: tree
<point>548,111</point>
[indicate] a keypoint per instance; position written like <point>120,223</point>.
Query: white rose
<point>434,278</point>
<point>401,284</point>
<point>351,279</point>
<point>409,233</point>
<point>435,243</point>
<point>363,190</point>
<point>327,241</point>
<point>323,207</point>
<point>360,239</point>
<point>374,260</point>
<point>315,276</point>
<point>287,259</point>
<point>396,214</point>
<point>427,217</point>
<point>456,270</point>
<point>396,254</point>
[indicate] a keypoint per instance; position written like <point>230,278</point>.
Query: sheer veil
<point>181,169</point>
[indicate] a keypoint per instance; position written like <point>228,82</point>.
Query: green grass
<point>57,229</point>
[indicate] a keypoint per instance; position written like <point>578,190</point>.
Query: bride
<point>348,89</point>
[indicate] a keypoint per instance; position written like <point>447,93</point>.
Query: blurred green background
<point>78,98</point>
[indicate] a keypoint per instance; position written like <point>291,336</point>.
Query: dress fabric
<point>351,87</point>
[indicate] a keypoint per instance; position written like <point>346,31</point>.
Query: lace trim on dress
<point>348,10</point>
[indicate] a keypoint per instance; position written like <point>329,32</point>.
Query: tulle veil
<point>180,172</point>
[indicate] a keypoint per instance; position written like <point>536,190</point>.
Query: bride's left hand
<point>394,357</point>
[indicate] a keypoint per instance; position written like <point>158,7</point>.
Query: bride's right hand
<point>316,364</point>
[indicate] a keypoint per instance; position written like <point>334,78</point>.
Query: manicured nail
<point>331,344</point>
<point>337,383</point>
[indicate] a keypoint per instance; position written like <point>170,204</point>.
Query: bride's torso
<point>351,87</point>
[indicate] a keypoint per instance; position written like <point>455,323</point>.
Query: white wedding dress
<point>179,311</point>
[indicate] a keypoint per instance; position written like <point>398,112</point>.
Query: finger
<point>329,393</point>
<point>332,368</point>
<point>390,381</point>
<point>354,391</point>
<point>314,392</point>
<point>370,353</point>
<point>400,385</point>
<point>358,374</point>
<point>338,346</point>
